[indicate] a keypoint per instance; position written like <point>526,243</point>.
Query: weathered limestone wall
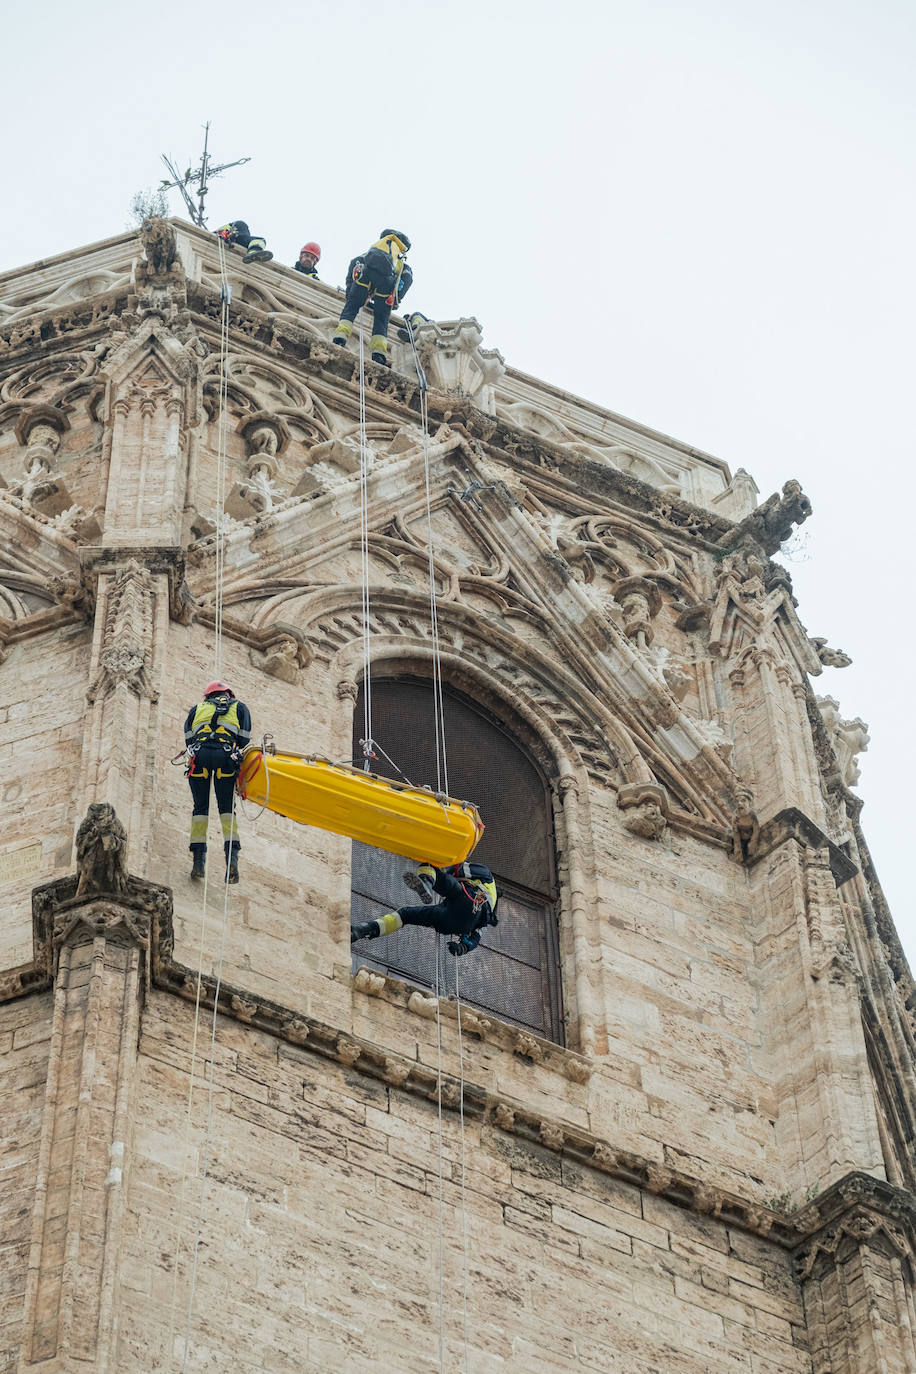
<point>41,728</point>
<point>25,1032</point>
<point>320,1236</point>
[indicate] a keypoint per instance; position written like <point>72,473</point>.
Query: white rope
<point>464,1216</point>
<point>438,698</point>
<point>187,1125</point>
<point>205,1152</point>
<point>438,701</point>
<point>222,425</point>
<point>441,786</point>
<point>364,456</point>
<point>441,1189</point>
<point>225,297</point>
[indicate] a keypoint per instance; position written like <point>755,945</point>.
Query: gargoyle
<point>771,523</point>
<point>831,658</point>
<point>745,826</point>
<point>101,844</point>
<point>159,244</point>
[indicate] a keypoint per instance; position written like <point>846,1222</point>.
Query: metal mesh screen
<point>514,973</point>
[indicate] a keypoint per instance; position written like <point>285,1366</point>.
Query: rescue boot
<point>370,930</point>
<point>420,883</point>
<point>257,252</point>
<point>381,358</point>
<point>199,866</point>
<point>232,866</point>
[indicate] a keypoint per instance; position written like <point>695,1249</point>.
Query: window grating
<point>514,974</point>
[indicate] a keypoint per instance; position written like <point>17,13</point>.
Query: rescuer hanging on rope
<point>468,906</point>
<point>381,275</point>
<point>215,732</point>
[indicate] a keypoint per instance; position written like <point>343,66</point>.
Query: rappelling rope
<point>225,299</point>
<point>438,700</point>
<point>364,457</point>
<point>205,1152</point>
<point>222,425</point>
<point>464,1217</point>
<point>442,786</point>
<point>441,1187</point>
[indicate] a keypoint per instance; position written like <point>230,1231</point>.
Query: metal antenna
<point>198,179</point>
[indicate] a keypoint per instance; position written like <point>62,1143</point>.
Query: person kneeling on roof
<point>236,233</point>
<point>468,906</point>
<point>382,274</point>
<point>215,732</point>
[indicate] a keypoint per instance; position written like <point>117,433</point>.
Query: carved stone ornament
<point>644,808</point>
<point>128,635</point>
<point>101,898</point>
<point>640,601</point>
<point>831,658</point>
<point>101,842</point>
<point>456,364</point>
<point>770,525</point>
<point>160,245</point>
<point>848,739</point>
<point>265,437</point>
<point>283,652</point>
<point>869,1223</point>
<point>39,431</point>
<point>745,826</point>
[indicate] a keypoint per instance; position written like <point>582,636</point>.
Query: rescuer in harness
<point>237,233</point>
<point>468,906</point>
<point>382,275</point>
<point>215,732</point>
<point>309,258</point>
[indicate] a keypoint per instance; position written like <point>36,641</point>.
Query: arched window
<point>514,974</point>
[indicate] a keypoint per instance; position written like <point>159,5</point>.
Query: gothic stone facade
<point>711,1167</point>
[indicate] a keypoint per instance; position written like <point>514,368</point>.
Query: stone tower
<point>668,1125</point>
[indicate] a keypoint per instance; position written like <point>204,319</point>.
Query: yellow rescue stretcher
<point>411,821</point>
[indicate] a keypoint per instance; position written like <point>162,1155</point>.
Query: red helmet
<point>214,687</point>
<point>312,248</point>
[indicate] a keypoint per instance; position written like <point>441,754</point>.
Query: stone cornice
<point>491,1108</point>
<point>156,559</point>
<point>859,1207</point>
<point>140,913</point>
<point>792,824</point>
<point>858,1204</point>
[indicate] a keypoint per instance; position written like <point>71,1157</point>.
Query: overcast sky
<point>698,215</point>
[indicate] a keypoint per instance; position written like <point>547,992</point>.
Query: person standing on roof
<point>237,233</point>
<point>381,275</point>
<point>309,258</point>
<point>468,906</point>
<point>215,732</point>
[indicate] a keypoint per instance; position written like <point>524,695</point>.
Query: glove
<point>464,944</point>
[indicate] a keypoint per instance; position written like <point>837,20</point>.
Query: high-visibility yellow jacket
<point>232,726</point>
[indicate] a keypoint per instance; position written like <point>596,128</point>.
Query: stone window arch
<point>515,974</point>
